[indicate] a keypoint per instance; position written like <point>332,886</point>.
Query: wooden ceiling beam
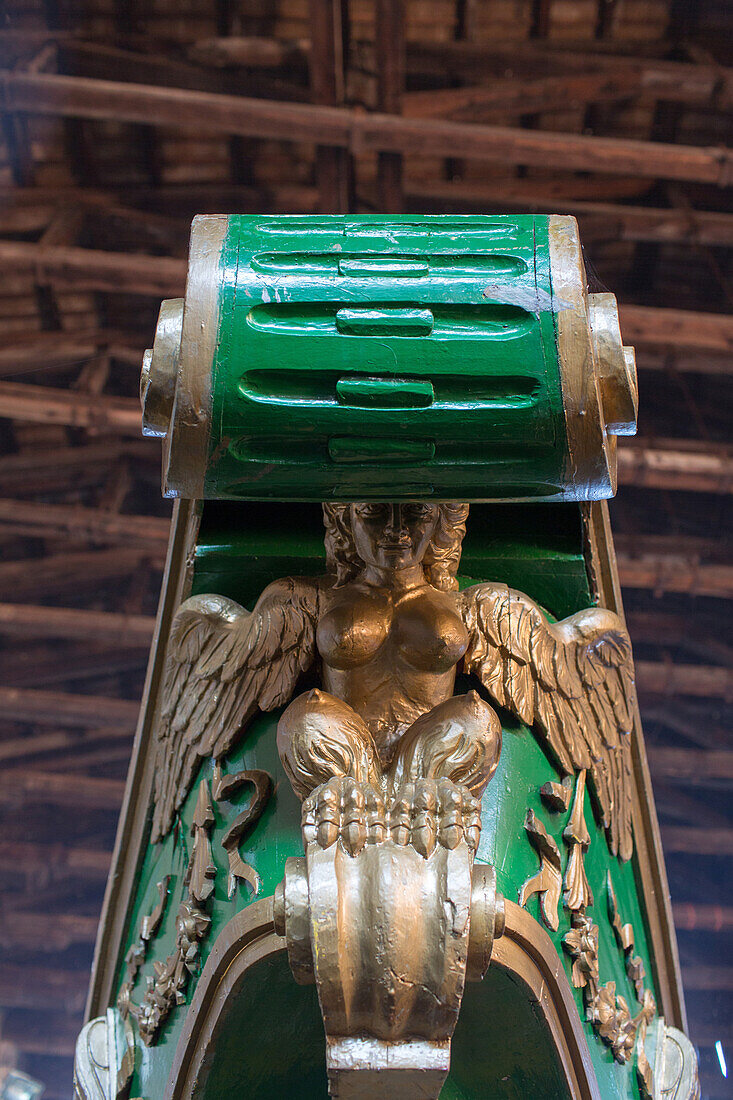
<point>500,99</point>
<point>28,621</point>
<point>95,525</point>
<point>703,917</point>
<point>59,574</point>
<point>55,470</point>
<point>23,986</point>
<point>71,743</point>
<point>94,269</point>
<point>683,465</point>
<point>79,792</point>
<point>599,221</point>
<point>359,132</point>
<point>675,573</point>
<point>45,932</point>
<point>708,979</point>
<point>74,409</point>
<point>47,1033</point>
<point>698,841</point>
<point>695,765</point>
<point>667,679</point>
<point>54,861</point>
<point>676,327</point>
<point>674,81</point>
<point>56,708</point>
<point>59,665</point>
<point>23,353</point>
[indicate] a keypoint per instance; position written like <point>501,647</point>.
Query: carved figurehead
<point>295,359</point>
<point>385,630</point>
<point>391,765</point>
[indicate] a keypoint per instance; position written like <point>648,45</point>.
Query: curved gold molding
<point>185,452</point>
<point>525,951</point>
<point>592,457</point>
<point>245,940</point>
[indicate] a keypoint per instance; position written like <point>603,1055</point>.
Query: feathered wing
<point>223,662</point>
<point>574,680</point>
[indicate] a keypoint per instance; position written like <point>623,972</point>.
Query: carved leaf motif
<point>573,679</point>
<point>224,662</point>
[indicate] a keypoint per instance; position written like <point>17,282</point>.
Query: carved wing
<point>573,679</point>
<point>224,662</point>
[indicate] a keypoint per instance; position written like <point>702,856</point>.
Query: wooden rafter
<point>81,97</point>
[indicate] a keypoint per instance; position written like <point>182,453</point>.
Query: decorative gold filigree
<point>625,938</point>
<point>225,787</point>
<point>556,796</point>
<point>609,1014</point>
<point>135,957</point>
<point>578,894</point>
<point>572,681</point>
<point>581,943</point>
<point>548,880</point>
<point>644,1071</point>
<point>167,988</point>
<point>607,1011</point>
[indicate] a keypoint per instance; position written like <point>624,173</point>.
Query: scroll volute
<point>160,369</point>
<point>615,365</point>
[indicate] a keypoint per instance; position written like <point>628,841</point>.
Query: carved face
<point>393,536</point>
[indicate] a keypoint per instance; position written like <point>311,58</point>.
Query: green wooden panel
<point>340,337</point>
<point>537,548</point>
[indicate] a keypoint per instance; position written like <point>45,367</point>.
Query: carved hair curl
<point>441,559</point>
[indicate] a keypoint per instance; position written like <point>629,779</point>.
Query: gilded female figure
<point>385,630</point>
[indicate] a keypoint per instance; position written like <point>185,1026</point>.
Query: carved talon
<point>472,820</point>
<point>451,830</point>
<point>328,813</point>
<point>353,821</point>
<point>399,816</point>
<point>424,807</point>
<point>375,816</point>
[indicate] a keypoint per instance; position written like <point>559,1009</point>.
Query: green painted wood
<point>537,548</point>
<point>489,1059</point>
<point>340,335</point>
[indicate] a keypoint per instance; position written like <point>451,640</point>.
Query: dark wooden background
<point>124,118</point>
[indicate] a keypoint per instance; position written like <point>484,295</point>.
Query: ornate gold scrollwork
<point>548,880</point>
<point>578,894</point>
<point>625,938</point>
<point>135,957</point>
<point>392,766</point>
<point>167,988</point>
<point>225,787</point>
<point>556,796</point>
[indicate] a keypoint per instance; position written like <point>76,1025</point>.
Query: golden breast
<point>423,631</point>
<point>352,631</point>
<point>428,636</point>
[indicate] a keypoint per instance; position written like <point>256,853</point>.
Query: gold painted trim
<point>525,950</point>
<point>128,851</point>
<point>186,448</point>
<point>245,940</point>
<point>648,843</point>
<point>591,457</point>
